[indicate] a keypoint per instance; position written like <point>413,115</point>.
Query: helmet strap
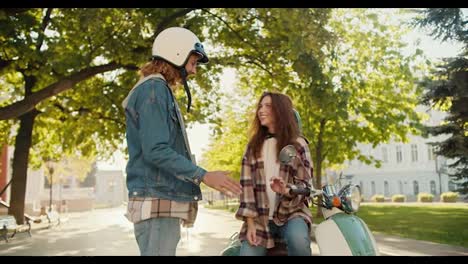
<point>183,74</point>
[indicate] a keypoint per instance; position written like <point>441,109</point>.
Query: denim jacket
<point>160,163</point>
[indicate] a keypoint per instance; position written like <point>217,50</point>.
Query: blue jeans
<point>295,233</point>
<point>158,236</point>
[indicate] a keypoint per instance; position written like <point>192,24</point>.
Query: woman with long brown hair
<point>269,212</point>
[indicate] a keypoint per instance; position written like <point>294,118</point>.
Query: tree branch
<point>45,22</point>
<point>167,20</point>
<point>83,110</point>
<point>5,63</point>
<point>230,28</point>
<point>27,104</point>
<point>161,26</point>
<point>260,66</point>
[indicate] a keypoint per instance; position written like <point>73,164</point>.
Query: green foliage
<point>398,198</point>
<point>47,46</point>
<point>425,197</point>
<point>73,67</point>
<point>228,146</point>
<point>444,23</point>
<point>449,197</point>
<point>446,89</point>
<point>59,170</point>
<point>346,92</point>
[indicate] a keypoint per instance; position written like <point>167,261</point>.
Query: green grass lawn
<point>446,224</point>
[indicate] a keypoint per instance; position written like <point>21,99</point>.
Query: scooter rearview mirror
<point>287,154</point>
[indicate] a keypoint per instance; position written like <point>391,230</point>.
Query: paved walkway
<point>106,232</point>
<point>394,245</point>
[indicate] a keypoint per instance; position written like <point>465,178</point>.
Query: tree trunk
<point>318,165</point>
<point>3,172</point>
<point>20,166</point>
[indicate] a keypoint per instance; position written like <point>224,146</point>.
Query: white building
<point>110,188</point>
<point>407,168</point>
<point>64,197</point>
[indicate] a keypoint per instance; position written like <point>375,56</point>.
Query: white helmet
<point>175,45</point>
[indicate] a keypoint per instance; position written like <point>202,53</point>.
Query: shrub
<point>378,198</point>
<point>425,197</point>
<point>449,197</point>
<point>398,198</point>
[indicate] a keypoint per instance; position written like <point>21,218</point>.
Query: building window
<point>384,154</point>
<point>400,187</point>
<point>414,152</point>
<point>361,187</point>
<point>430,152</point>
<point>399,155</point>
<point>415,187</point>
<point>373,187</point>
<point>386,189</point>
<point>452,186</point>
<point>433,187</point>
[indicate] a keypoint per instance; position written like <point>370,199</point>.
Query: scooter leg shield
<point>330,240</point>
<point>345,235</point>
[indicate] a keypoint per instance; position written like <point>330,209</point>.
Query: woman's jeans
<point>158,236</point>
<point>295,233</point>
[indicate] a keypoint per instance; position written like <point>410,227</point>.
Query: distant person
<point>162,176</point>
<point>270,214</point>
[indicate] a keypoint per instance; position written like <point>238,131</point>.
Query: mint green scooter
<point>342,233</point>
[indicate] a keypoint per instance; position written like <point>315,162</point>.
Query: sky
<point>199,134</point>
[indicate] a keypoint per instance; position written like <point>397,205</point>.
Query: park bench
<point>9,227</point>
<point>53,217</point>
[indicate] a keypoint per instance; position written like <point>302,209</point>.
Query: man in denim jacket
<point>162,176</point>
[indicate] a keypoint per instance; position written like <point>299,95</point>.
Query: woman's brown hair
<point>286,127</point>
<point>170,73</point>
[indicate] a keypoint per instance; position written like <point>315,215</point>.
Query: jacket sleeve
<point>154,132</point>
<point>247,207</point>
<point>303,178</point>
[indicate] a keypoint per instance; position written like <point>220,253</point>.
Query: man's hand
<point>221,181</point>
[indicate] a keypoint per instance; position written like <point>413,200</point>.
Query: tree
<point>343,68</point>
<point>263,44</point>
<point>229,141</point>
<point>447,89</point>
<point>67,70</point>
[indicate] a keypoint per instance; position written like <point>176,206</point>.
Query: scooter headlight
<point>350,197</point>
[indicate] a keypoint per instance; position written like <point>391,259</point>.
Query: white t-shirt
<point>271,168</point>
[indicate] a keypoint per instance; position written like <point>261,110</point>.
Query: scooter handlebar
<point>299,191</point>
<point>294,190</point>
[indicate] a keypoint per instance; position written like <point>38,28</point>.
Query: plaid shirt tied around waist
<point>143,208</point>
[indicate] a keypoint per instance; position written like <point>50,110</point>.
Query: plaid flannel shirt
<point>143,208</point>
<point>254,200</point>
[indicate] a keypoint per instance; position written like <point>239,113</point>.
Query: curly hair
<point>170,73</point>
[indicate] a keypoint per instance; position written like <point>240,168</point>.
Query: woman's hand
<point>252,236</point>
<point>278,185</point>
<point>251,232</point>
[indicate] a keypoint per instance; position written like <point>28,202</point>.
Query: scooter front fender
<point>345,235</point>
